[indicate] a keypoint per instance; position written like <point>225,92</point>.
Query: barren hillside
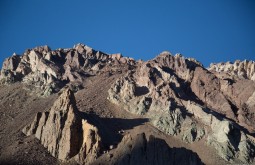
<point>82,106</point>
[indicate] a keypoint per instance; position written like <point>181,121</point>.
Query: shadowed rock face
<point>138,150</point>
<point>64,133</point>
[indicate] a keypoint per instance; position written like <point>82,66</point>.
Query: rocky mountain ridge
<point>52,69</point>
<point>239,69</point>
<point>212,107</point>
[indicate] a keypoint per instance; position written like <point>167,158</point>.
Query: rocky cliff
<point>50,70</point>
<point>200,108</point>
<point>238,69</point>
<point>180,97</point>
<point>64,133</point>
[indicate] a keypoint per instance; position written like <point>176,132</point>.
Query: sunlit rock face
<point>64,133</point>
<point>239,69</point>
<point>50,69</point>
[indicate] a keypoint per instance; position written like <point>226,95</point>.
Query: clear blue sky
<point>210,31</point>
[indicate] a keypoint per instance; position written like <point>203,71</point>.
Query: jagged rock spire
<point>64,133</point>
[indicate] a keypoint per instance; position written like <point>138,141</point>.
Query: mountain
<point>82,106</point>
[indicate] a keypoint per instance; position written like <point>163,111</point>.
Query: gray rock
<point>192,133</point>
<point>246,149</point>
<point>170,123</point>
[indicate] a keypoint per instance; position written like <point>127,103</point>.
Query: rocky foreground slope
<point>110,109</point>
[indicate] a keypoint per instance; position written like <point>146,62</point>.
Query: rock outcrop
<point>156,89</point>
<point>239,69</point>
<point>52,69</point>
<point>206,87</point>
<point>226,136</point>
<point>64,133</point>
<point>136,149</point>
<point>237,84</point>
<point>171,91</point>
